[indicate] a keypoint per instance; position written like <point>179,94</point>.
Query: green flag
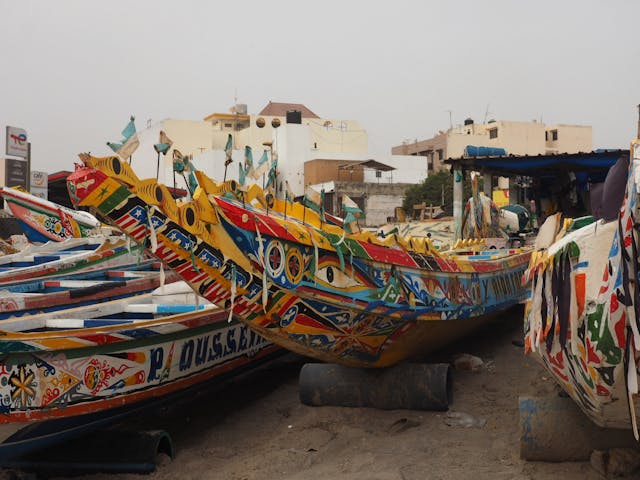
<point>263,166</point>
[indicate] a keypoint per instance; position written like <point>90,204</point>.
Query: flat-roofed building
<point>517,138</point>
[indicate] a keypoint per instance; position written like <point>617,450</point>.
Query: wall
<point>292,144</point>
<point>319,171</point>
<point>520,138</point>
<point>189,137</point>
<point>335,135</point>
<point>427,148</point>
<point>457,141</point>
<point>325,135</point>
<point>408,169</point>
<point>380,200</point>
<point>381,207</point>
<point>517,138</point>
<point>571,139</point>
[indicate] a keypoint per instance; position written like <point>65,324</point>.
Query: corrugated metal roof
<point>540,165</point>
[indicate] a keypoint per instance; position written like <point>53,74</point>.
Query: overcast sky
<point>74,71</point>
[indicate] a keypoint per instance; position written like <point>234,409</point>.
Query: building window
<point>493,133</point>
<point>546,136</point>
<point>440,154</point>
<point>554,135</point>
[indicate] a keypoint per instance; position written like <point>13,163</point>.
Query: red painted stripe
<point>102,338</point>
<point>267,225</point>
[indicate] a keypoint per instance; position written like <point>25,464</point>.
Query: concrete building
<point>377,201</point>
<point>276,123</point>
<point>517,138</point>
<point>310,150</point>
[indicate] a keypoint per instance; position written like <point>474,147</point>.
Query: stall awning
<point>539,165</point>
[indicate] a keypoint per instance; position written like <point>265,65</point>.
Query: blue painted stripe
<point>178,308</point>
<point>90,323</point>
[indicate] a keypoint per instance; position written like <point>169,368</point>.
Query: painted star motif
<point>103,192</point>
<point>23,386</point>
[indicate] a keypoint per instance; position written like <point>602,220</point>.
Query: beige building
<point>328,135</point>
<point>310,151</point>
<point>335,139</point>
<point>517,138</point>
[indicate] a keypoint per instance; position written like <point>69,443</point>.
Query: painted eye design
<point>332,276</point>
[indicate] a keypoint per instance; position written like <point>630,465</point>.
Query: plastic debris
<point>402,424</point>
<point>467,362</point>
<point>461,419</point>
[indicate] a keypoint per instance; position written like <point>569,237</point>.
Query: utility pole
<point>28,186</point>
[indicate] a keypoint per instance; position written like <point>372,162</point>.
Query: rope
<point>162,278</point>
<point>339,250</point>
<point>233,291</point>
<point>152,231</point>
<point>265,291</point>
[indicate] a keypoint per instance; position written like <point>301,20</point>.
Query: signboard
<point>39,184</point>
<point>17,144</point>
<point>15,173</point>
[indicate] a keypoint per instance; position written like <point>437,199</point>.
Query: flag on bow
<point>164,143</point>
<point>351,214</point>
<point>288,193</point>
<point>272,175</point>
<point>263,166</point>
<point>129,143</point>
<point>247,169</point>
<point>228,149</point>
<point>314,200</point>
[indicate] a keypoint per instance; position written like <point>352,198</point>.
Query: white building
<point>292,131</point>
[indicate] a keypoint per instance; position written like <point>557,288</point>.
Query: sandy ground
<point>256,427</point>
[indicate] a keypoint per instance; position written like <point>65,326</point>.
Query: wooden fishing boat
<point>66,372</point>
<point>87,255</point>
<point>582,317</point>
<point>71,244</point>
<point>310,286</point>
<point>44,221</point>
<point>60,292</point>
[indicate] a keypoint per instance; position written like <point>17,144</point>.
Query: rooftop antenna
<point>450,118</point>
<point>486,114</point>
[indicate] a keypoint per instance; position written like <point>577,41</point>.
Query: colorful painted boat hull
<point>43,221</point>
<point>47,295</point>
<point>59,375</point>
<point>106,252</point>
<point>350,300</point>
<point>583,312</point>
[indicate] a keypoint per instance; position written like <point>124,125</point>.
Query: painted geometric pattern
<point>313,293</point>
<point>583,312</point>
<point>34,382</point>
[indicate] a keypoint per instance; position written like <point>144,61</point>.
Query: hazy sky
<point>74,71</point>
